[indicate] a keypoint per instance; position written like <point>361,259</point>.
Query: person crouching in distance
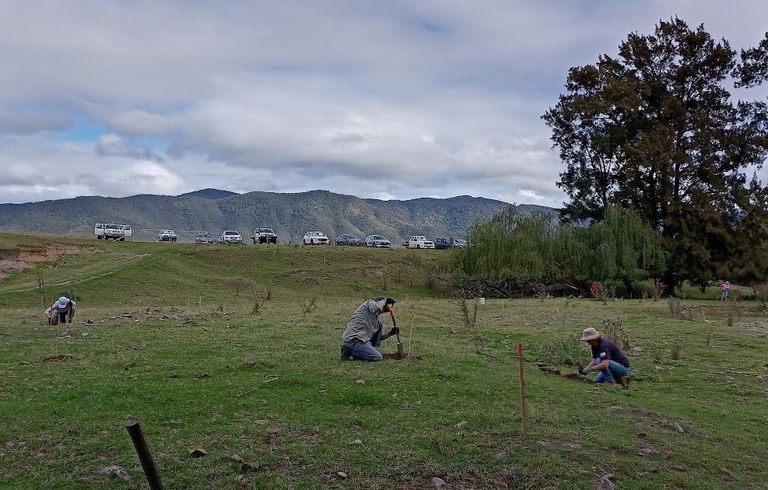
<point>612,365</point>
<point>63,310</point>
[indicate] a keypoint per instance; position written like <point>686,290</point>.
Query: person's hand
<point>586,370</point>
<point>394,331</point>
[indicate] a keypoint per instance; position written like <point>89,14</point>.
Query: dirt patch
<point>398,357</point>
<point>761,327</point>
<point>723,309</point>
<point>25,257</point>
<point>550,369</point>
<point>646,418</point>
<point>57,357</point>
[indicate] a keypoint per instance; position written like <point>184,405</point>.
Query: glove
<point>586,370</point>
<point>394,331</point>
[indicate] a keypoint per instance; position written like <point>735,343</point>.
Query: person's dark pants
<point>612,374</point>
<point>63,316</point>
<point>364,351</point>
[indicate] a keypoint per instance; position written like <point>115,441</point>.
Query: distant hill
<point>290,214</point>
<point>210,193</point>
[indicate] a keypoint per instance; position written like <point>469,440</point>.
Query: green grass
<point>174,344</point>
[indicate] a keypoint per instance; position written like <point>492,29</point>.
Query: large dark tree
<point>655,130</point>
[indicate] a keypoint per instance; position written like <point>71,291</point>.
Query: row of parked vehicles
<point>268,235</point>
<point>314,237</point>
<point>228,236</point>
<point>415,241</point>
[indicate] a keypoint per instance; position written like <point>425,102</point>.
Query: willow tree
<point>622,248</point>
<point>656,130</point>
<point>534,251</point>
<point>510,245</point>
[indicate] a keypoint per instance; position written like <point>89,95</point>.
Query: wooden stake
<point>410,334</point>
<point>522,390</point>
<point>145,457</point>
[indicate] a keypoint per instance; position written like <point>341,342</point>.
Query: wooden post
<point>523,409</point>
<point>145,457</point>
<point>410,334</point>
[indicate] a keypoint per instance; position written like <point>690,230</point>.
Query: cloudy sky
<point>391,99</point>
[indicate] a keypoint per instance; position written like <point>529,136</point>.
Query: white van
<point>112,231</point>
<point>420,241</point>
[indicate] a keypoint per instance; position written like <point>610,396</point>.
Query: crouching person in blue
<point>364,331</point>
<point>612,365</point>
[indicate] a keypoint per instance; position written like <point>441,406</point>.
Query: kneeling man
<point>364,331</point>
<point>607,358</point>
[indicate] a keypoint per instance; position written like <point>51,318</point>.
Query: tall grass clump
<point>559,352</point>
<point>677,348</point>
<point>614,330</point>
<point>468,309</point>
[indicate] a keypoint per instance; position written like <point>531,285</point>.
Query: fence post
<point>523,409</point>
<point>145,457</point>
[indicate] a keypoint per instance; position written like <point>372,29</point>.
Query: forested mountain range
<point>289,214</point>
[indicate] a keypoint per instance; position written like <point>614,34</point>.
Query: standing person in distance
<point>364,331</point>
<point>607,358</point>
<point>725,287</point>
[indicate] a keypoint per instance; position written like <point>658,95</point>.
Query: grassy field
<point>234,350</point>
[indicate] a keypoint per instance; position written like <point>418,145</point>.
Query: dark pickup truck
<point>264,235</point>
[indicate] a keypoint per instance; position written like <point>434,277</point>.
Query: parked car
<point>316,238</point>
<point>349,239</point>
<point>112,231</point>
<point>231,236</point>
<point>442,243</point>
<point>204,238</point>
<point>377,241</point>
<point>420,241</point>
<point>167,236</point>
<point>264,235</point>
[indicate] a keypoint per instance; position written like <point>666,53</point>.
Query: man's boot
<point>346,353</point>
<point>625,382</point>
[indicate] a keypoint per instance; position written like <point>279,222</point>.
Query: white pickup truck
<point>112,231</point>
<point>420,241</point>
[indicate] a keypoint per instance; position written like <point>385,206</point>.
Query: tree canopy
<point>532,252</point>
<point>656,130</point>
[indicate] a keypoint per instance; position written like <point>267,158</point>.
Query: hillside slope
<point>291,215</point>
<point>34,270</point>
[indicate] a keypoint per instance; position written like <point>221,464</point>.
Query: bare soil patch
<point>756,326</point>
<point>57,357</point>
<point>398,357</point>
<point>550,369</point>
<point>724,309</point>
<point>25,257</point>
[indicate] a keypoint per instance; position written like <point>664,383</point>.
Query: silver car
<point>377,241</point>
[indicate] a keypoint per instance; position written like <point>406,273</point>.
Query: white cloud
<point>146,178</point>
<point>396,99</point>
<point>109,145</point>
